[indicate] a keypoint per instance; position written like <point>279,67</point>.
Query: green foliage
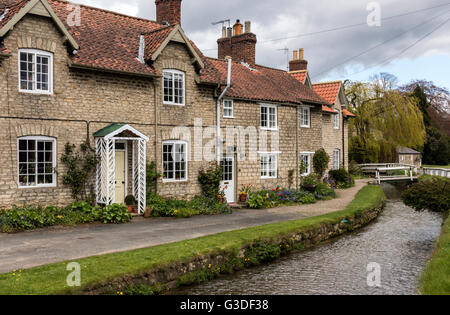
<point>324,191</point>
<point>261,252</point>
<point>278,197</point>
<point>437,148</point>
<point>310,181</point>
<point>385,119</point>
<point>29,218</point>
<point>320,162</point>
<point>432,194</point>
<point>291,174</point>
<point>341,178</point>
<point>182,209</point>
<point>152,176</point>
<point>115,214</point>
<point>80,167</point>
<point>209,180</point>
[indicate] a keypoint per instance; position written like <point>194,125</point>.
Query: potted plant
<point>148,212</point>
<point>221,195</point>
<point>130,202</point>
<point>309,182</point>
<point>244,193</point>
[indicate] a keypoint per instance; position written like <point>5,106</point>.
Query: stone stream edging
<point>204,268</point>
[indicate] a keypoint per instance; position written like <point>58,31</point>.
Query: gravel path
<point>57,244</point>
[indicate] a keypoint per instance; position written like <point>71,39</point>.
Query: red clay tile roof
<point>329,91</point>
<point>9,8</point>
<point>347,113</point>
<point>327,110</point>
<point>154,39</point>
<point>300,75</point>
<point>260,83</point>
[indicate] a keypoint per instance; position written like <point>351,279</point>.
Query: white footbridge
<point>385,172</point>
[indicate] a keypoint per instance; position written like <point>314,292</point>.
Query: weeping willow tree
<point>385,119</point>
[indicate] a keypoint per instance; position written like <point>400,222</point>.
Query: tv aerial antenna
<point>222,22</point>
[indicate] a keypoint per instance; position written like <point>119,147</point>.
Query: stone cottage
<point>137,91</point>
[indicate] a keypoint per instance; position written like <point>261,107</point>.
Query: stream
<point>400,242</point>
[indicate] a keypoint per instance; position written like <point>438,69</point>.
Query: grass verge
<point>435,279</point>
<point>100,270</point>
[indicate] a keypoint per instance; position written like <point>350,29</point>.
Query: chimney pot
<point>298,63</point>
<point>295,55</point>
<point>237,28</point>
<point>248,27</point>
<point>301,51</point>
<point>224,32</point>
<point>229,32</point>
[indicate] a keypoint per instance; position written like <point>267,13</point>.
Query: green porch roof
<point>108,130</point>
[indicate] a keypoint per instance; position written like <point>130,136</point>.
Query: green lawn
<point>51,279</point>
<point>435,279</point>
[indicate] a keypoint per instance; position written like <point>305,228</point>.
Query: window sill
<point>37,187</point>
<point>173,104</point>
<point>173,181</point>
<point>37,93</point>
<point>269,129</point>
<point>228,117</point>
<point>307,127</point>
<point>263,177</point>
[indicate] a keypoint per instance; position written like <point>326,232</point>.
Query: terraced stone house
<point>137,91</point>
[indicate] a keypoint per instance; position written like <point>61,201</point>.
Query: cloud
<point>274,19</point>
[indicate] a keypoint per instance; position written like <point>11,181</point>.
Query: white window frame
<point>303,110</point>
<point>337,120</point>
<point>177,72</point>
<point>186,152</point>
<point>36,139</point>
<point>309,155</point>
<point>230,108</point>
<point>337,159</point>
<point>268,106</point>
<point>268,170</point>
<point>35,53</point>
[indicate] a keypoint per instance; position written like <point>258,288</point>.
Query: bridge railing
<point>444,172</point>
<point>384,168</point>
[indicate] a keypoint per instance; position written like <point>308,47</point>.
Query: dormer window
<point>35,71</point>
<point>174,87</point>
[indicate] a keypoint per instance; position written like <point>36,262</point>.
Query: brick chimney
<point>238,43</point>
<point>168,11</point>
<point>298,63</point>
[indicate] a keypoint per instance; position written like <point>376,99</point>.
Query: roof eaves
<point>101,69</point>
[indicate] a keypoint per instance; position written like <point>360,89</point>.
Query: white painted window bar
<point>106,177</point>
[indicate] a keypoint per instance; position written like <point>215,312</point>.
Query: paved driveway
<point>57,244</point>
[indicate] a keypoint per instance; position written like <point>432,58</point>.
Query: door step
<point>234,205</point>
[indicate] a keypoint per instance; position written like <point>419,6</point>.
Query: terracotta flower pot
<point>243,198</point>
<point>148,213</point>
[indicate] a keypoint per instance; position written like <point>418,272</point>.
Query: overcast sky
<point>273,19</point>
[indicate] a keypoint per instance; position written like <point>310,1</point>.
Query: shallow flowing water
<point>400,242</point>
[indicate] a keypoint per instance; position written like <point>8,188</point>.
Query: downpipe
<point>218,112</point>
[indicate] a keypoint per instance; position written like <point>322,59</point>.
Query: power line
<point>344,27</point>
<point>404,50</point>
<point>381,44</point>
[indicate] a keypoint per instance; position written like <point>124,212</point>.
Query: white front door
<point>227,183</point>
<point>120,177</point>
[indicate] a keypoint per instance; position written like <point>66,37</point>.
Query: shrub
<point>309,181</point>
<point>324,191</point>
<point>152,176</point>
<point>309,198</point>
<point>341,178</point>
<point>80,167</point>
<point>320,162</point>
<point>116,214</point>
<point>432,194</point>
<point>209,180</point>
<point>256,201</point>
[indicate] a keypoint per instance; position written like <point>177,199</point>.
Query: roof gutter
<point>219,100</point>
